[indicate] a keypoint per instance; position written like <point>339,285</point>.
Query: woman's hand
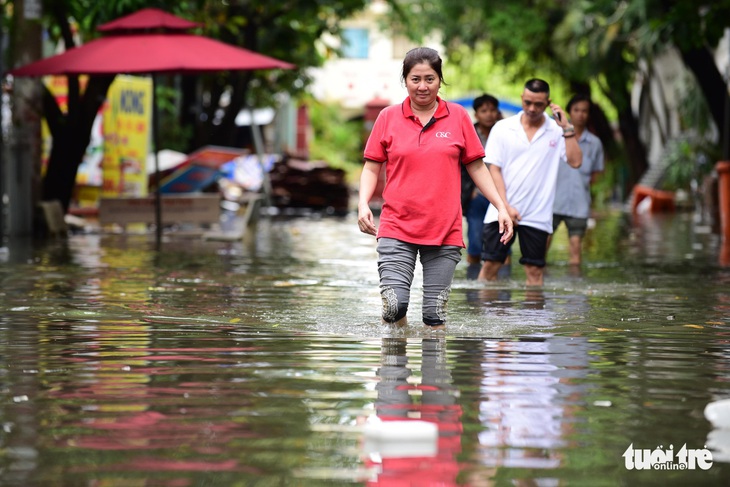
<point>506,227</point>
<point>365,219</point>
<point>514,214</point>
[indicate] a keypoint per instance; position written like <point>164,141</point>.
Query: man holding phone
<point>523,153</point>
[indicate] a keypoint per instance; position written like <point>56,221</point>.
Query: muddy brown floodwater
<point>263,362</point>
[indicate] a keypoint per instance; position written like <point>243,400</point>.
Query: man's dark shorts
<point>533,244</point>
<point>576,226</point>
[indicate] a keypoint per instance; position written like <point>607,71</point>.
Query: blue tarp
<point>507,108</point>
<point>247,171</point>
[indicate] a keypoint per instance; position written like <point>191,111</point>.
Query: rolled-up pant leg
<point>439,264</point>
<point>396,264</point>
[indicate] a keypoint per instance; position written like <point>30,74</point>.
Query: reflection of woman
<point>437,405</point>
<point>422,142</point>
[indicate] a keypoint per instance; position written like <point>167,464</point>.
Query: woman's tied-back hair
<point>537,85</point>
<point>420,55</point>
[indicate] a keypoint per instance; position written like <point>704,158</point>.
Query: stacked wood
<point>299,183</point>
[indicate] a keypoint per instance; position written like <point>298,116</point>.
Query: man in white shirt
<point>523,153</point>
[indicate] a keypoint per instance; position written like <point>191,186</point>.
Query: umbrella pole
<point>155,148</point>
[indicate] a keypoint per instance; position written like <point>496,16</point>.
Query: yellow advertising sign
<point>127,132</point>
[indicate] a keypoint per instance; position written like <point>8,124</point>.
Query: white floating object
<point>718,441</point>
<point>718,413</point>
<point>401,439</point>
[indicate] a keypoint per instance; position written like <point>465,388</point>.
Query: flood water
<point>263,363</point>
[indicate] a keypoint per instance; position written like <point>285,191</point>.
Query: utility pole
<point>22,165</point>
<point>3,191</point>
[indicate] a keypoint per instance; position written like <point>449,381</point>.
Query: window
<point>355,43</point>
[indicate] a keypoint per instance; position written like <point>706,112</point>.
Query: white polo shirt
<point>529,168</point>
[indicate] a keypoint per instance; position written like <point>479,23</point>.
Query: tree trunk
<point>599,124</point>
<point>67,153</point>
<point>22,187</point>
<point>635,150</point>
<point>225,133</point>
<point>214,86</point>
<point>189,107</point>
<point>71,135</point>
<point>616,90</point>
<point>702,64</point>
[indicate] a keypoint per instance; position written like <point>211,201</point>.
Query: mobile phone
<point>557,116</point>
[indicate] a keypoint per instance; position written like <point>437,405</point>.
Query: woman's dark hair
<point>420,55</point>
<point>579,97</point>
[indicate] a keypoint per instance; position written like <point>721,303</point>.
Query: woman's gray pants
<point>396,265</point>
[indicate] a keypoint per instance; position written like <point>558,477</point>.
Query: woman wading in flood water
<point>422,143</point>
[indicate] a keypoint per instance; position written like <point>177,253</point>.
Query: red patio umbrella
<point>146,19</point>
<point>173,52</point>
<point>150,41</point>
<point>132,48</point>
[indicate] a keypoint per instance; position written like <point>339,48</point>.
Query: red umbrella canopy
<point>145,19</point>
<point>151,53</point>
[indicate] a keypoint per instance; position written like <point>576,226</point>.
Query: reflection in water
<point>250,363</point>
<point>432,399</point>
<point>528,402</point>
<point>529,396</point>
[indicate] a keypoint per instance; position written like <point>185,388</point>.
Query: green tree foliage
<point>689,160</point>
<point>336,140</point>
<point>285,30</point>
<point>598,42</point>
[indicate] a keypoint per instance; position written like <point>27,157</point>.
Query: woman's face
<point>423,85</point>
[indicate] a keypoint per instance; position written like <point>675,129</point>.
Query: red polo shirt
<point>422,195</point>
